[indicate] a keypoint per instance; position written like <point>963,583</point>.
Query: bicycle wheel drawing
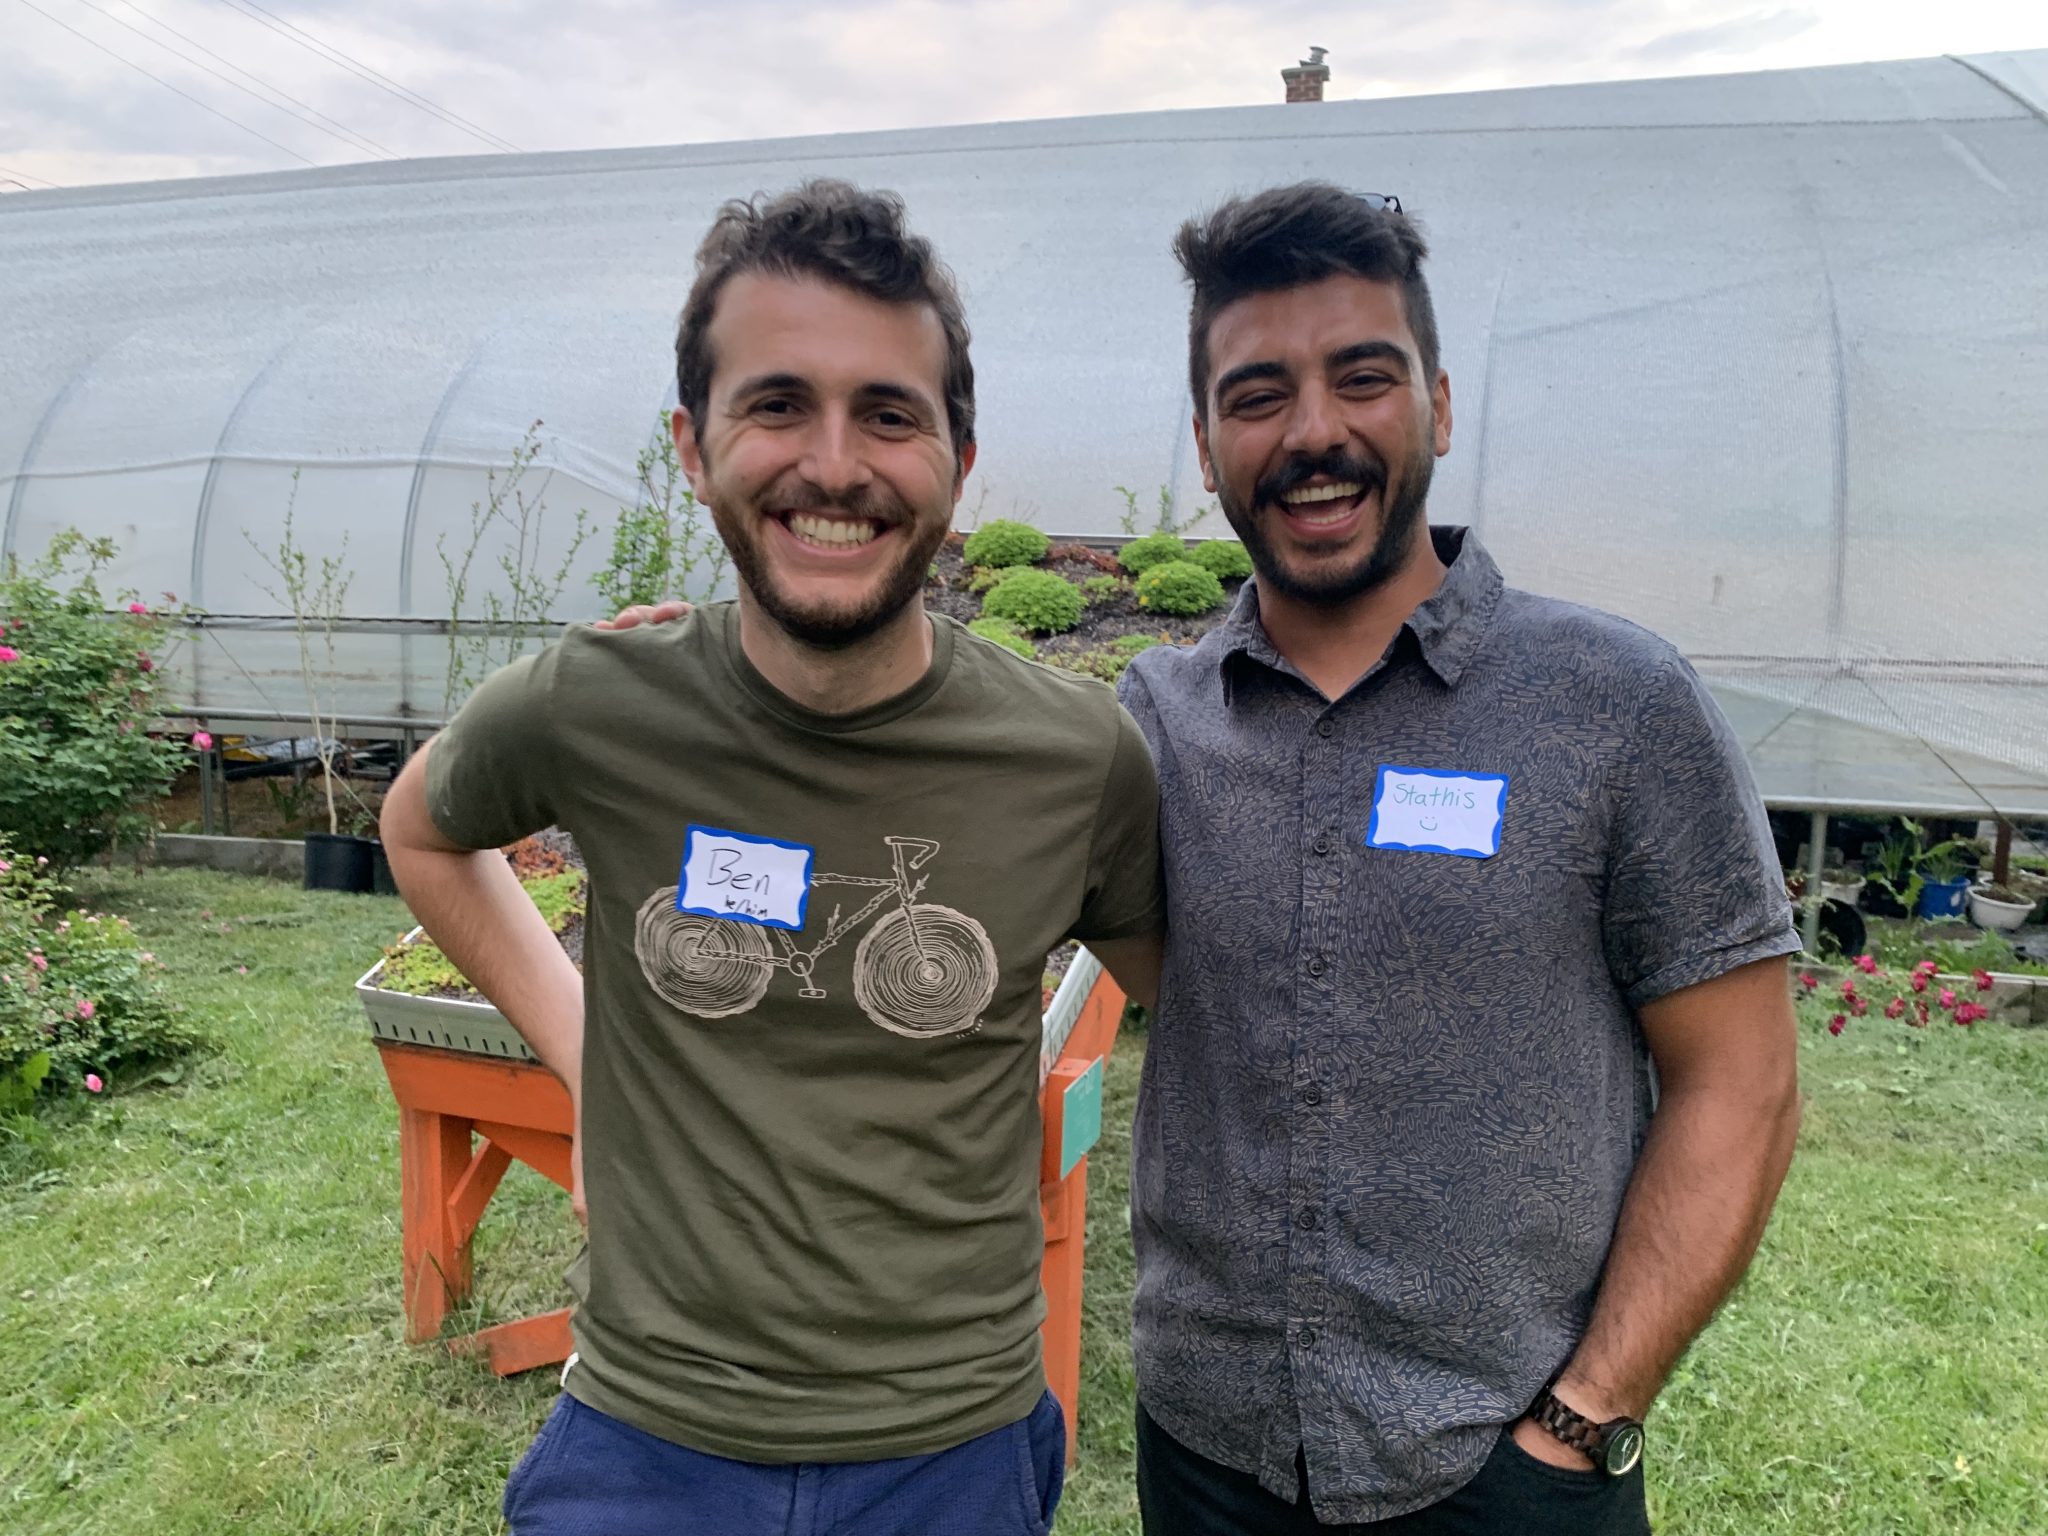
<point>925,971</point>
<point>705,966</point>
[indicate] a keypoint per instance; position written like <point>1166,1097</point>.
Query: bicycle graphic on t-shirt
<point>922,970</point>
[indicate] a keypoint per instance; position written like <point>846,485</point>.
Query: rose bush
<point>78,692</point>
<point>81,1002</point>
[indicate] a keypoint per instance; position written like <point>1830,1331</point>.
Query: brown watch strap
<point>1574,1429</point>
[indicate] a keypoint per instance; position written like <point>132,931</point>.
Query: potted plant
<point>1893,880</point>
<point>1945,871</point>
<point>316,595</point>
<point>1999,907</point>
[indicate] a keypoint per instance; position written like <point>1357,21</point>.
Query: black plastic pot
<point>381,880</point>
<point>337,862</point>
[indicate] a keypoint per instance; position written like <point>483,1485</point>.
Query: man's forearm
<point>475,909</point>
<point>1694,1213</point>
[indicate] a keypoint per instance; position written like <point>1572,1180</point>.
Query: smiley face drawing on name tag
<point>1435,810</point>
<point>760,880</point>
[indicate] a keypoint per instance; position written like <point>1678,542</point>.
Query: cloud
<point>633,72</point>
<point>1737,36</point>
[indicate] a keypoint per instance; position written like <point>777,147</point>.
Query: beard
<point>1335,582</point>
<point>833,626</point>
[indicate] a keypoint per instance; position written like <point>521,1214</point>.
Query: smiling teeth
<point>830,531</point>
<point>1343,490</point>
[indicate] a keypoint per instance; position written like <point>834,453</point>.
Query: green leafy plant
<point>1164,520</point>
<point>315,593</point>
<point>1107,661</point>
<point>985,578</point>
<point>1005,634</point>
<point>1179,587</point>
<point>1225,559</point>
<point>1103,587</point>
<point>1005,542</point>
<point>661,543</point>
<point>505,622</point>
<point>1040,602</point>
<point>1140,555</point>
<point>80,1000</point>
<point>79,689</point>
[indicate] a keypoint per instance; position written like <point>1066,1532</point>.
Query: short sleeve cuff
<point>1706,964</point>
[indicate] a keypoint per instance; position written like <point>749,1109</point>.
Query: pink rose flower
<point>85,1008</point>
<point>94,1082</point>
<point>1970,1013</point>
<point>1919,982</point>
<point>1947,998</point>
<point>1867,964</point>
<point>1895,1008</point>
<point>39,962</point>
<point>1983,980</point>
<point>1808,981</point>
<point>203,740</point>
<point>142,660</point>
<point>138,607</point>
<point>1837,1024</point>
<point>9,653</point>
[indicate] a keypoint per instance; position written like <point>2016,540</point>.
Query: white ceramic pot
<point>2004,916</point>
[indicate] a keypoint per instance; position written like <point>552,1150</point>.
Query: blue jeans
<point>588,1474</point>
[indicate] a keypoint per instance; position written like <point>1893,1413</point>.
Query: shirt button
<point>1315,965</point>
<point>1306,1221</point>
<point>1306,1338</point>
<point>1311,1094</point>
<point>1322,844</point>
<point>1325,728</point>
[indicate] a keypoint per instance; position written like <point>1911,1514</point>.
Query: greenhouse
<point>1759,362</point>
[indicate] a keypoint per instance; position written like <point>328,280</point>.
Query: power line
<point>160,80</point>
<point>22,179</point>
<point>333,55</point>
<point>308,115</point>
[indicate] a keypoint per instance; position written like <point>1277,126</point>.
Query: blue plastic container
<point>1946,898</point>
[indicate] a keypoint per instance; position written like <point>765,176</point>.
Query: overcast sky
<point>540,75</point>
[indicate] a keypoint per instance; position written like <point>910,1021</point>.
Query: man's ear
<point>1202,453</point>
<point>960,476</point>
<point>1440,404</point>
<point>682,428</point>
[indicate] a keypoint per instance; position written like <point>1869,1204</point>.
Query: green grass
<point>199,1310</point>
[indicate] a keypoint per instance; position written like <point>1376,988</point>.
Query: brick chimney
<point>1305,81</point>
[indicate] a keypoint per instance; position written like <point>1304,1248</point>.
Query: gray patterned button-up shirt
<point>1393,1096</point>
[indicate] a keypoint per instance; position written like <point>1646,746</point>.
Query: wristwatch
<point>1614,1447</point>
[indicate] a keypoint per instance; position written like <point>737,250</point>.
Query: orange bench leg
<point>433,1156</point>
<point>1066,1218</point>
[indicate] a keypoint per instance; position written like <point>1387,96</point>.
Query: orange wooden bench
<point>463,1119</point>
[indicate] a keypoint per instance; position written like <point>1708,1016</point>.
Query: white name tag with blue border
<point>760,880</point>
<point>1433,810</point>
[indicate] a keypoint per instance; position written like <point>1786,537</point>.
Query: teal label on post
<point>1081,1117</point>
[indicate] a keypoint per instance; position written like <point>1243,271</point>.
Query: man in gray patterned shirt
<point>1472,1081</point>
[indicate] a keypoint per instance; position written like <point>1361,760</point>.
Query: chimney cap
<point>1315,55</point>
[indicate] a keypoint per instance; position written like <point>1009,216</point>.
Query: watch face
<point>1624,1450</point>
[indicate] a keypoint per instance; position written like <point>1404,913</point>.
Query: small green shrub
<point>78,693</point>
<point>1225,559</point>
<point>1005,543</point>
<point>1179,587</point>
<point>1140,555</point>
<point>985,578</point>
<point>1005,634</point>
<point>1132,645</point>
<point>80,999</point>
<point>1039,602</point>
<point>1101,587</point>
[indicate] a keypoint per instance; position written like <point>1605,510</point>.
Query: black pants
<point>1182,1494</point>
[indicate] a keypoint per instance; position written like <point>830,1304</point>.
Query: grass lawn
<point>199,1310</point>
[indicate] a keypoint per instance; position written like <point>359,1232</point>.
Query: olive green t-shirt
<point>812,1017</point>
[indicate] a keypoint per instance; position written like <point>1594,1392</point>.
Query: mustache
<point>876,503</point>
<point>1337,464</point>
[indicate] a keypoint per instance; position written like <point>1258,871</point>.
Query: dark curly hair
<point>1289,236</point>
<point>841,234</point>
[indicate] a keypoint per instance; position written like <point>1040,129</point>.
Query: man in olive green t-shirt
<point>830,841</point>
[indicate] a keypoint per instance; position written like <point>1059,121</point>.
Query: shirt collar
<point>1447,627</point>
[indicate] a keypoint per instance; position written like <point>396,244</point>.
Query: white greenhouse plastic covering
<point>1759,361</point>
